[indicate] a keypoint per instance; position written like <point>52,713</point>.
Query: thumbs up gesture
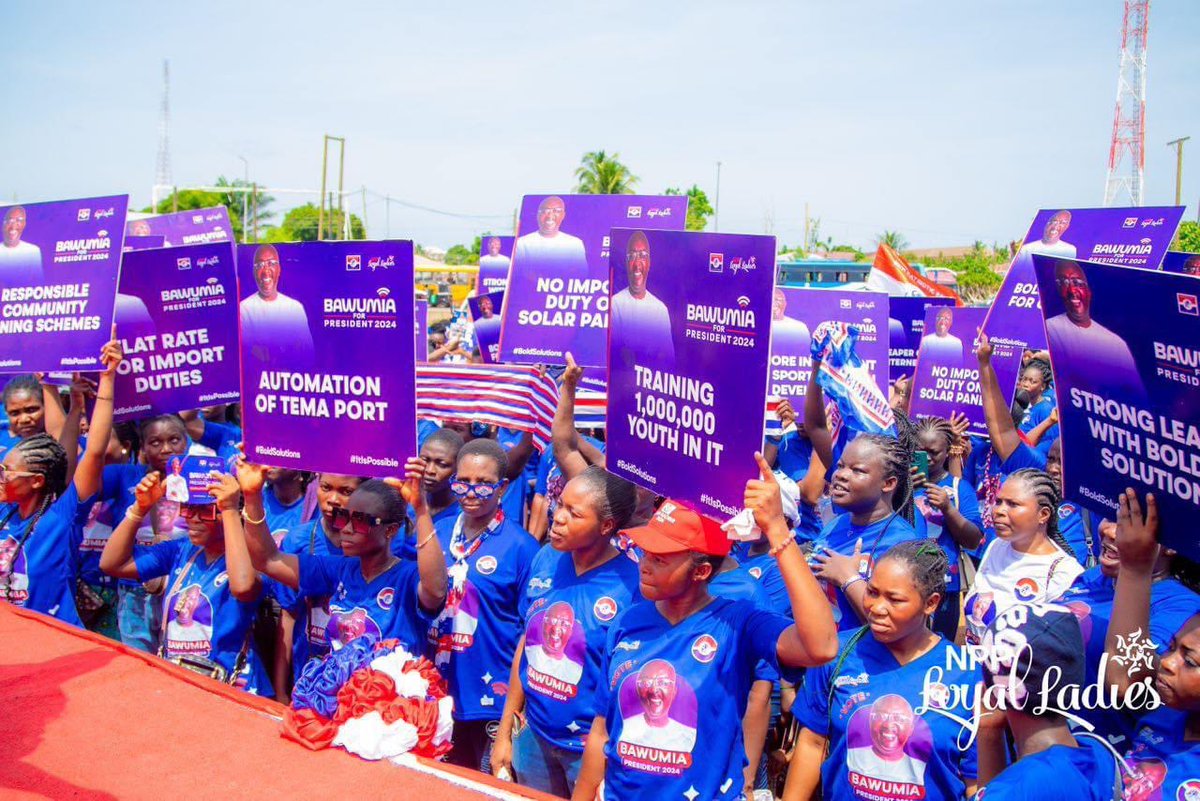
<point>763,497</point>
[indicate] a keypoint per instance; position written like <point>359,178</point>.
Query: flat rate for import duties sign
<point>688,353</point>
<point>1125,347</point>
<point>327,355</point>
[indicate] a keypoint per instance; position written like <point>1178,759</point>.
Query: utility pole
<point>255,189</point>
<point>364,197</point>
<point>245,200</point>
<point>717,204</point>
<point>324,172</point>
<point>1178,145</point>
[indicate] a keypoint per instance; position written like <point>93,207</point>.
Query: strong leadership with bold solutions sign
<point>1123,344</point>
<point>688,354</point>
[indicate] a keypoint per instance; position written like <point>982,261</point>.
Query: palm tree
<point>601,174</point>
<point>893,239</point>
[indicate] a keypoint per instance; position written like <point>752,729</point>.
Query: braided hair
<point>43,455</point>
<point>938,426</point>
<point>927,565</point>
<point>897,461</point>
<point>613,497</point>
<point>1043,368</point>
<point>1046,491</point>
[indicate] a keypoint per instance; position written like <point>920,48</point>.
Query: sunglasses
<point>7,474</point>
<point>462,489</point>
<point>206,512</point>
<point>359,522</point>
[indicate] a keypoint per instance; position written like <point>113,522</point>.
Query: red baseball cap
<point>675,529</point>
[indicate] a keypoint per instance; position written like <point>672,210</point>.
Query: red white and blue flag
<point>512,396</point>
<point>847,382</point>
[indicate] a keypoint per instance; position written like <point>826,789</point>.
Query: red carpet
<point>82,717</point>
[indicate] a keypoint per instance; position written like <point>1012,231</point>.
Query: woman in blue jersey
<point>871,490</point>
<point>677,668</point>
<point>373,591</point>
<point>303,620</point>
<point>42,517</point>
<point>1035,381</point>
<point>1073,521</point>
<point>576,589</point>
<point>880,710</point>
<point>1164,759</point>
<point>213,592</point>
<point>476,635</point>
<point>951,512</point>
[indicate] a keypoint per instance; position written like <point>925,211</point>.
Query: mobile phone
<point>921,460</point>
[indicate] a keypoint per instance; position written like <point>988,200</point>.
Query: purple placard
<point>688,351</point>
<point>328,378</point>
<point>59,263</point>
<point>557,286</point>
<point>194,227</point>
<point>1183,263</point>
<point>143,242</point>
<point>421,331</point>
<point>177,318</point>
<point>495,256</point>
<point>487,311</point>
<point>946,378</point>
<point>1130,237</point>
<point>796,313</point>
<point>906,326</point>
<point>1123,343</point>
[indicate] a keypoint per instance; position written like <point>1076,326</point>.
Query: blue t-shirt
<point>517,491</point>
<point>222,438</point>
<point>404,544</point>
<point>7,440</point>
<point>1071,526</point>
<point>488,623</point>
<point>1165,765</point>
<point>674,697</point>
<point>880,705</point>
<point>201,616</point>
<point>764,569</point>
<point>1023,457</point>
<point>387,606</point>
<point>840,535</point>
<point>1091,598</point>
<point>40,575</point>
<point>566,619</point>
<point>1060,773</point>
<point>309,539</point>
<point>962,498</point>
<point>424,429</point>
<point>280,518</point>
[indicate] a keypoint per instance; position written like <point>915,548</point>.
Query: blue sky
<point>947,121</point>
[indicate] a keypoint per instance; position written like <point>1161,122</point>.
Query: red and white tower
<point>1126,154</point>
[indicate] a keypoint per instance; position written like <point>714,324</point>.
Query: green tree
<point>1188,238</point>
<point>893,239</point>
<point>189,199</point>
<point>699,209</point>
<point>301,225</point>
<point>601,174</point>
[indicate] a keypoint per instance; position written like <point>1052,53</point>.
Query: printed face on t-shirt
<point>891,726</point>
<point>557,626</point>
<point>656,689</point>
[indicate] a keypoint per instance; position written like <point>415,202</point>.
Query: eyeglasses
<point>482,491</point>
<point>660,683</point>
<point>206,512</point>
<point>7,474</point>
<point>359,522</point>
<point>1073,283</point>
<point>893,718</point>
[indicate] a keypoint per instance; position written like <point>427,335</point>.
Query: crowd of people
<point>903,598</point>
